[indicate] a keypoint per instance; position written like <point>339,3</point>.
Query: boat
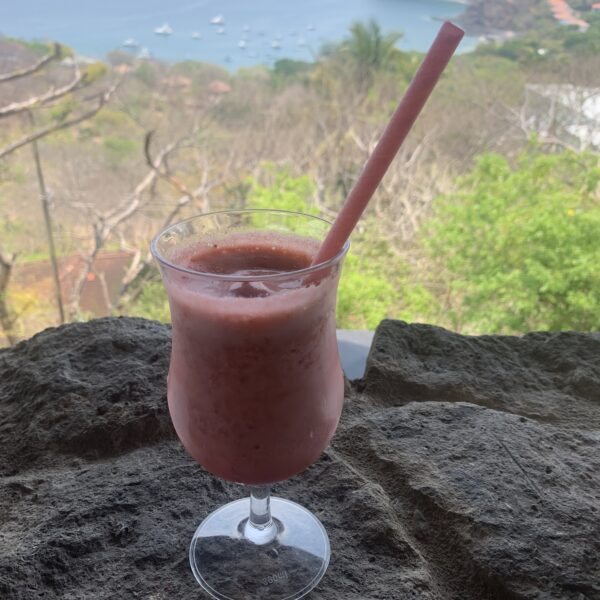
<point>275,45</point>
<point>165,29</point>
<point>242,45</point>
<point>130,43</point>
<point>221,30</point>
<point>144,53</point>
<point>196,36</point>
<point>311,27</point>
<point>218,20</point>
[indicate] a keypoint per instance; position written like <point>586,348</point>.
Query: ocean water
<point>253,32</point>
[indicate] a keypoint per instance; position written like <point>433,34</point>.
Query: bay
<point>254,32</point>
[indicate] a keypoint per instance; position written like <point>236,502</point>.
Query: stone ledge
<point>463,468</point>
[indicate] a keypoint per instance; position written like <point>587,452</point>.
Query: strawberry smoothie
<point>255,386</point>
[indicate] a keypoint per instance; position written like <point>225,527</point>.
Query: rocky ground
<point>464,468</point>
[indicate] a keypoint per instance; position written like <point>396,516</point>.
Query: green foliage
<point>12,172</point>
<point>370,281</point>
<point>549,44</point>
<point>152,303</point>
<point>520,244</point>
<point>66,52</point>
<point>146,73</point>
<point>63,108</point>
<point>286,192</point>
<point>94,72</point>
<point>368,46</point>
<point>584,43</point>
<point>364,296</point>
<point>201,72</point>
<point>118,149</point>
<point>39,48</point>
<point>286,70</point>
<point>366,52</point>
<point>112,119</point>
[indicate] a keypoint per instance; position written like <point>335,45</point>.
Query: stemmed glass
<point>255,387</point>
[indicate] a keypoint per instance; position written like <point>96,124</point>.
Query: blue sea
<point>250,32</point>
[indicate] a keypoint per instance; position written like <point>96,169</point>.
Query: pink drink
<point>255,386</point>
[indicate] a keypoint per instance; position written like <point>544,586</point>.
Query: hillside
<point>487,16</point>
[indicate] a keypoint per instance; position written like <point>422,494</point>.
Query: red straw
<point>402,120</point>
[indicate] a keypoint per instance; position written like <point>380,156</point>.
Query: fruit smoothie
<point>255,386</point>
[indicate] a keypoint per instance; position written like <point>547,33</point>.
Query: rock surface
<point>464,468</point>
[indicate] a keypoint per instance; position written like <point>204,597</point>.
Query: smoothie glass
<point>255,387</point>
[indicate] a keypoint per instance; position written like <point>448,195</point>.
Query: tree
<point>518,245</point>
<point>59,97</point>
<point>370,49</point>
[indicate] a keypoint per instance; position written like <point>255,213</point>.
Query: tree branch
<point>6,321</point>
<point>36,135</point>
<point>40,64</point>
<point>51,94</point>
<point>105,223</point>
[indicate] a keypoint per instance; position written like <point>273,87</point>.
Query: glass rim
<point>162,260</point>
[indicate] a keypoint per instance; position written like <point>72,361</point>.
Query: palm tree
<point>370,50</point>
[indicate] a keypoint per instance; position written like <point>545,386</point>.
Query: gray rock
<point>549,377</point>
<point>463,468</point>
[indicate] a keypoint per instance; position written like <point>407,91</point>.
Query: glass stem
<point>260,528</point>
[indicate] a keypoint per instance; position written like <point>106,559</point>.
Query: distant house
<point>219,87</point>
<point>122,69</point>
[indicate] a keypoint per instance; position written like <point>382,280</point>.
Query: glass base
<point>283,562</point>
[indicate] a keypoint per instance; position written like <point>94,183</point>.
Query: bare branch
<point>36,135</point>
<point>139,269</point>
<point>40,64</point>
<point>105,223</point>
<point>155,166</point>
<point>132,203</point>
<point>6,321</point>
<point>51,94</point>
<point>105,292</point>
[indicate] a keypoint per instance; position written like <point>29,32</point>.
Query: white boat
<point>130,43</point>
<point>218,20</point>
<point>196,36</point>
<point>144,53</point>
<point>275,45</point>
<point>164,29</point>
<point>242,45</point>
<point>221,30</point>
<point>311,27</point>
